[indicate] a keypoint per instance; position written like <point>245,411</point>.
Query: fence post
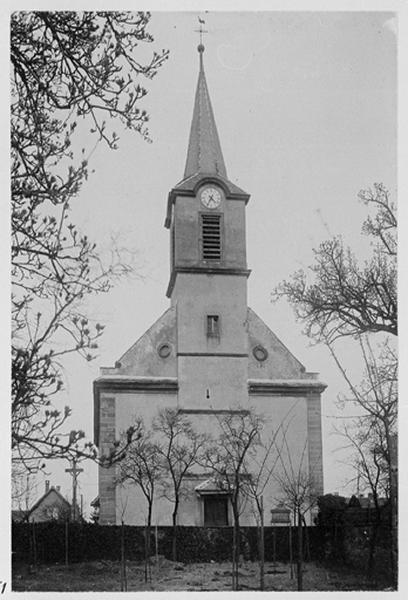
<point>34,546</point>
<point>157,545</point>
<point>290,549</point>
<point>123,582</point>
<point>66,542</point>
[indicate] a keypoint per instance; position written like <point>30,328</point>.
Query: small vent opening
<point>213,326</point>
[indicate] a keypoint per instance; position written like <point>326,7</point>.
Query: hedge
<point>339,543</point>
<point>88,542</point>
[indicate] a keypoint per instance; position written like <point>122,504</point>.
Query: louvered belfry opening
<point>211,236</point>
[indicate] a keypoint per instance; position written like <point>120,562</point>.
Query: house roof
<point>364,501</point>
<point>44,496</point>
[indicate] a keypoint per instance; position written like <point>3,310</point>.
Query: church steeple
<point>204,154</point>
<point>205,211</point>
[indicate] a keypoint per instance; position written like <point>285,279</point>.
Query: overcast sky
<point>305,105</point>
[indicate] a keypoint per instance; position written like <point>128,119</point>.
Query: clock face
<point>211,197</point>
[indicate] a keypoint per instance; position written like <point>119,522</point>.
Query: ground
<point>167,575</point>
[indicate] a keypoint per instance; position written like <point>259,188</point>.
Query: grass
<point>166,576</point>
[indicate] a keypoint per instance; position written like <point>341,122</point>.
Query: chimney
<point>58,488</point>
<point>335,493</point>
<point>47,485</point>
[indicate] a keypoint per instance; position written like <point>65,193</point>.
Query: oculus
<point>164,350</point>
<point>260,353</point>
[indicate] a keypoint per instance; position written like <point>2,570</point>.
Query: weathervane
<point>201,30</point>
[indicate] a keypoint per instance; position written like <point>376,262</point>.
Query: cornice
<point>189,188</point>
<point>205,271</point>
<point>291,387</point>
<point>124,383</point>
<point>213,411</point>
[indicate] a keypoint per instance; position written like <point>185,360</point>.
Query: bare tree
<point>180,448</point>
<point>68,69</point>
<point>142,467</point>
<point>262,469</point>
<point>23,487</point>
<point>343,298</point>
<point>229,459</point>
<point>371,435</point>
<point>297,487</point>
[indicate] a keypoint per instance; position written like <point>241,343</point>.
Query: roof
<point>211,486</point>
<point>204,154</point>
<point>205,162</point>
<point>41,500</point>
<point>365,501</point>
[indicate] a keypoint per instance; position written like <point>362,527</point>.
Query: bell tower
<point>208,269</point>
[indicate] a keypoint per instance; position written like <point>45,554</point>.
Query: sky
<point>305,106</point>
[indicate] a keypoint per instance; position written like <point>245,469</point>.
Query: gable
<point>149,356</point>
<point>43,507</point>
<point>279,362</point>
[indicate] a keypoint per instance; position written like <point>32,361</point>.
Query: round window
<point>164,350</point>
<point>260,353</point>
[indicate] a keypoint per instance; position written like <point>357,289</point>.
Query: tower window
<point>211,237</point>
<point>213,326</point>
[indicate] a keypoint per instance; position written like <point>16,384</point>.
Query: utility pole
<point>74,470</point>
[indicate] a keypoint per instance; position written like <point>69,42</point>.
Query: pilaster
<point>314,429</point>
<point>107,488</point>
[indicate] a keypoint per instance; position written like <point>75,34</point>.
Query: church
<point>209,354</point>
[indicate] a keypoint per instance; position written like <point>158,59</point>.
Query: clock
<point>211,197</point>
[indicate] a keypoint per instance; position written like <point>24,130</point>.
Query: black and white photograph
<point>204,313</point>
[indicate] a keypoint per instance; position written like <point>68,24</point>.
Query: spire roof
<point>204,154</point>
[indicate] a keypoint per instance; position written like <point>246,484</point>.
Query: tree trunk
<point>34,546</point>
<point>157,545</point>
<point>123,583</point>
<point>372,573</point>
<point>148,541</point>
<point>235,550</point>
<point>274,547</point>
<point>300,553</point>
<point>234,557</point>
<point>145,553</point>
<point>174,539</point>
<point>290,548</point>
<point>393,478</point>
<point>306,536</point>
<point>262,547</point>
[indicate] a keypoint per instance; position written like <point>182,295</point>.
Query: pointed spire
<point>204,154</point>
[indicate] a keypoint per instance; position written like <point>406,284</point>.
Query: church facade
<point>209,354</point>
